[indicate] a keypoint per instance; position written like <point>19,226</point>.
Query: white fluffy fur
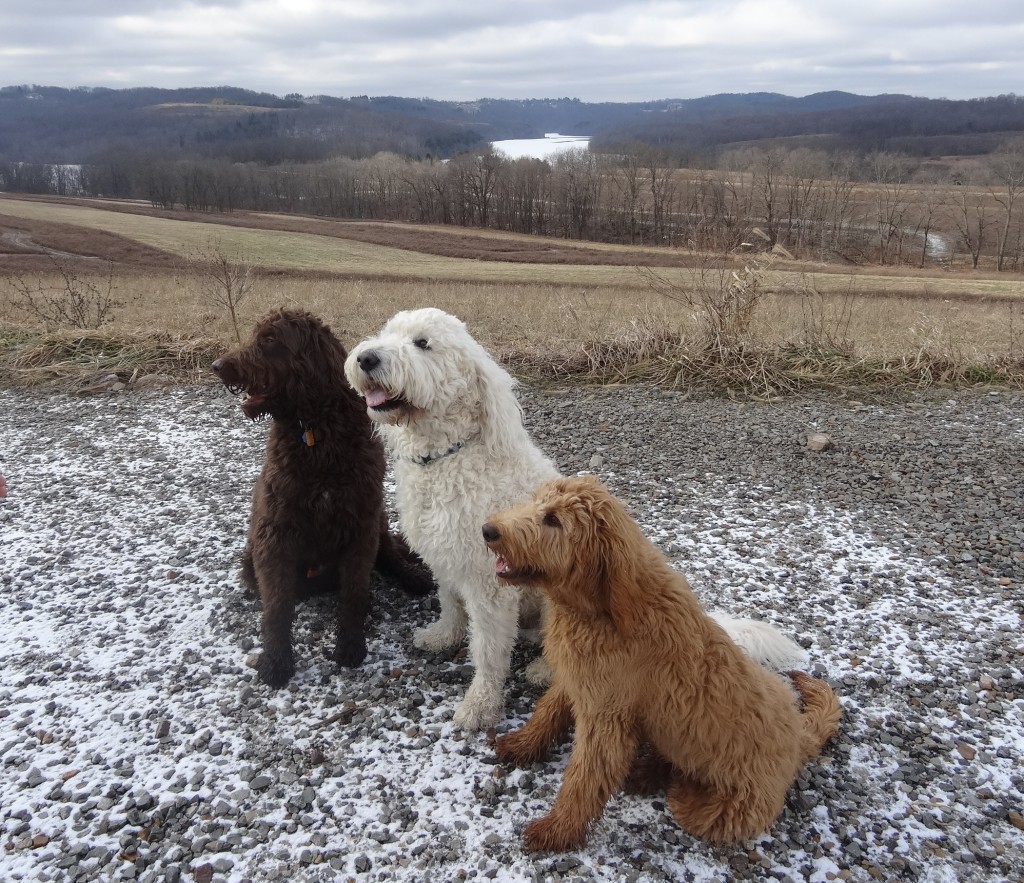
<point>450,392</point>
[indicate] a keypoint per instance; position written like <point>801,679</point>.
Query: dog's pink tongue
<point>376,397</point>
<point>500,565</point>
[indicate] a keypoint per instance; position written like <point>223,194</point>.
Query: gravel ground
<point>136,743</point>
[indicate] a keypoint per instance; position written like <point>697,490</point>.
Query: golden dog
<point>637,663</point>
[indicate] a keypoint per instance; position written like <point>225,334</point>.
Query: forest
<point>890,180</point>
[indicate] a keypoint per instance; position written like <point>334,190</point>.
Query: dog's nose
<point>368,361</point>
<point>218,366</point>
<point>491,533</point>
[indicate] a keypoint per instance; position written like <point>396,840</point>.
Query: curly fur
<point>636,660</point>
<point>450,417</point>
<point>318,518</point>
<point>432,388</point>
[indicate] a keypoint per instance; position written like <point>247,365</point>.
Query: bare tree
<point>223,281</point>
<point>968,210</point>
<point>889,173</point>
<point>1007,165</point>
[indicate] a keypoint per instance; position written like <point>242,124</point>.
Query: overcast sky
<point>595,50</point>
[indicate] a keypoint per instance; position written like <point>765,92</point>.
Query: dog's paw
<point>549,834</point>
<point>275,670</point>
<point>539,672</point>
<point>477,711</point>
<point>516,749</point>
<point>437,637</point>
<point>350,653</point>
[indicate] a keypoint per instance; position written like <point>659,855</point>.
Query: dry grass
<point>66,357</point>
<point>600,321</point>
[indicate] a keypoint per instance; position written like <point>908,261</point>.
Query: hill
<point>55,125</point>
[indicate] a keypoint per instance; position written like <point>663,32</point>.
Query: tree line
<point>883,207</point>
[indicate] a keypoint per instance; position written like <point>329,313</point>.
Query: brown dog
<point>318,518</point>
<point>636,660</point>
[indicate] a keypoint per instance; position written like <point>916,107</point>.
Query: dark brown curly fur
<point>318,517</point>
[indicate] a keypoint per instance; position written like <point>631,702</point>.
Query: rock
<point>153,381</point>
<point>817,441</point>
<point>965,750</point>
<point>108,384</point>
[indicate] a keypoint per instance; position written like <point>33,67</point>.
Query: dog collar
<point>433,457</point>
<point>306,435</point>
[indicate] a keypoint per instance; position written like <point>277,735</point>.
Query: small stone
<point>1015,819</point>
<point>817,441</point>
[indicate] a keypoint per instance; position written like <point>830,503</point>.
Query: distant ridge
<point>48,124</point>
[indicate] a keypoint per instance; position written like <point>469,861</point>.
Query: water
<point>541,148</point>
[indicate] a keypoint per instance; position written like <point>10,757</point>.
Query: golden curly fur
<point>638,664</point>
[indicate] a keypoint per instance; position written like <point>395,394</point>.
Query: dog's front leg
<point>548,725</point>
<point>604,749</point>
<point>354,570</point>
<point>493,625</point>
<point>450,628</point>
<point>276,579</point>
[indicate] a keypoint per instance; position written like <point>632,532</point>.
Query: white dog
<point>451,420</point>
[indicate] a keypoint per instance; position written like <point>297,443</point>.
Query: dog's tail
<point>762,642</point>
<point>821,712</point>
<point>397,562</point>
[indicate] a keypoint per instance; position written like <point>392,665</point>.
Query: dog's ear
<point>500,411</point>
<point>619,545</point>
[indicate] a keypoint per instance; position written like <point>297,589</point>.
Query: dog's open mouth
<point>505,570</point>
<point>254,405</point>
<point>382,400</point>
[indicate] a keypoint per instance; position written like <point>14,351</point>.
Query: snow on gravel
<point>136,743</point>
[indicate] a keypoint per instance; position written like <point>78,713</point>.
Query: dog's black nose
<point>218,365</point>
<point>491,533</point>
<point>368,361</point>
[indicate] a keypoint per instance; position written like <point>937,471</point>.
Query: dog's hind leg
<point>721,816</point>
<point>450,628</point>
<point>601,757</point>
<point>548,725</point>
<point>397,562</point>
<point>493,626</point>
<point>247,573</point>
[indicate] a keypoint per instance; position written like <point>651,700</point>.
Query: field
<point>548,306</point>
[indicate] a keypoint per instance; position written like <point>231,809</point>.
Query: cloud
<point>456,49</point>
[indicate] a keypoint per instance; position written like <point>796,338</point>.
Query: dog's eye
<point>269,339</point>
<point>551,520</point>
<point>421,343</point>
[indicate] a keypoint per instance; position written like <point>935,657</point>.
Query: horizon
<point>280,95</point>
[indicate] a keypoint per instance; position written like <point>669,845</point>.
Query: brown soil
<point>456,243</point>
<point>31,246</point>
